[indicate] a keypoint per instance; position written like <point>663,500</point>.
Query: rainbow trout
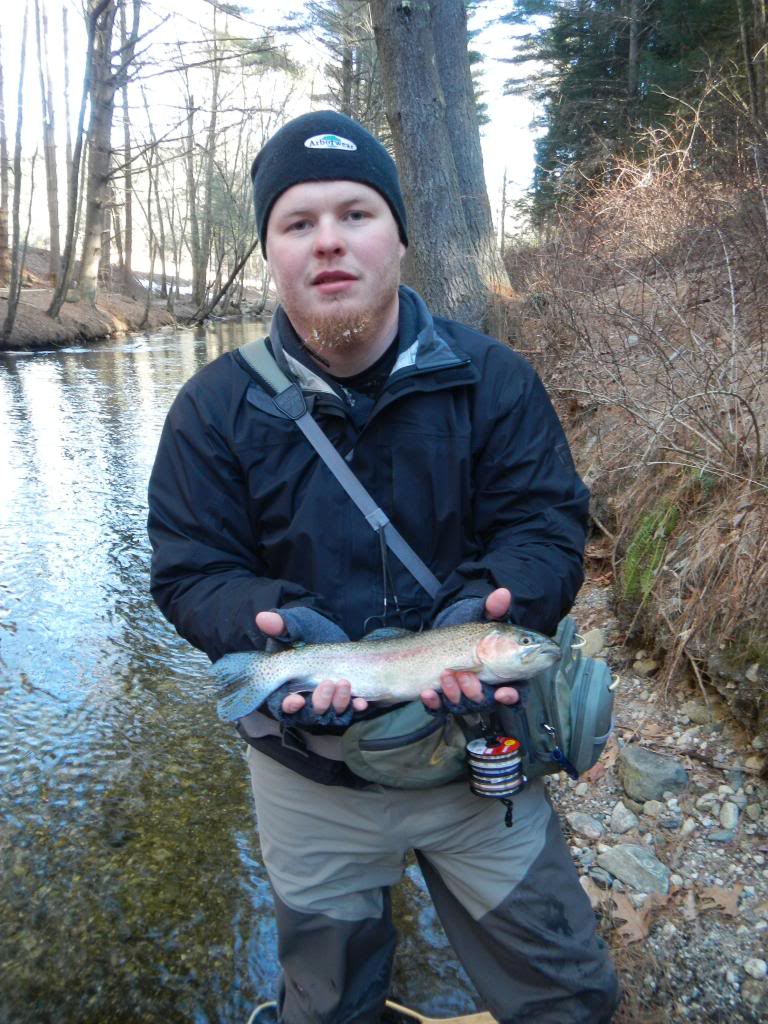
<point>387,669</point>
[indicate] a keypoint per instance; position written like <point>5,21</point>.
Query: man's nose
<point>329,239</point>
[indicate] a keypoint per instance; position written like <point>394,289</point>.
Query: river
<point>132,886</point>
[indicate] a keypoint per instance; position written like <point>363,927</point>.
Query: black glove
<point>468,609</point>
<point>305,624</point>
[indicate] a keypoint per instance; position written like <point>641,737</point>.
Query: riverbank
<point>78,321</point>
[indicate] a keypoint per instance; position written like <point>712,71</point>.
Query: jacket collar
<point>422,349</point>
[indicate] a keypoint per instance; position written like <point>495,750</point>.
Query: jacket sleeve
<point>530,512</point>
<point>206,575</point>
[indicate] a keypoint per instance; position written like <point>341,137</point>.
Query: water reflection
<point>132,884</point>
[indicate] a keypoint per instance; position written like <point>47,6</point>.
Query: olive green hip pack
<point>562,722</point>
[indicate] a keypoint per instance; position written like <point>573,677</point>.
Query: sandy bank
<point>77,322</point>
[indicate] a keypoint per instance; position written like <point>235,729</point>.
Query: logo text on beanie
<point>329,141</point>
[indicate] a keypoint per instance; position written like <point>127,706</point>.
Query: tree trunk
<point>49,142</point>
<point>99,152</point>
<point>17,257</point>
<point>449,31</point>
<point>633,68</point>
<point>440,243</point>
<point>67,112</point>
<point>194,225</point>
<point>503,228</point>
<point>105,259</point>
<point>127,171</point>
<point>73,198</point>
<point>761,60</point>
<point>206,235</point>
<point>219,295</point>
<point>5,252</point>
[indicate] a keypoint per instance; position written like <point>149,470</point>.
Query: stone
<point>756,968</point>
<point>720,836</point>
<point>698,713</point>
<point>600,877</point>
<point>622,819</point>
<point>689,738</point>
<point>594,643</point>
<point>755,763</point>
<point>689,825</point>
<point>582,789</point>
<point>645,667</point>
<point>645,775</point>
<point>729,815</point>
<point>585,825</point>
<point>754,993</point>
<point>636,867</point>
<point>676,880</point>
<point>652,808</point>
<point>707,801</point>
<point>753,811</point>
<point>670,820</point>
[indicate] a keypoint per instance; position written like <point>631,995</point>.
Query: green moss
<point>646,549</point>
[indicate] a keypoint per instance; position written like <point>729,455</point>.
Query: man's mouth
<point>332,277</point>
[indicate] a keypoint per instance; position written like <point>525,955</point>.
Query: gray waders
<point>508,898</point>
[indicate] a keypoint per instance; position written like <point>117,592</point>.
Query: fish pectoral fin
<point>474,667</point>
<point>296,686</point>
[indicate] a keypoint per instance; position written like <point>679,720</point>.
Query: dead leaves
<point>633,924</point>
<point>725,900</point>
<point>594,773</point>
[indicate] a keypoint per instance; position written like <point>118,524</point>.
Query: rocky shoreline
<point>669,833</point>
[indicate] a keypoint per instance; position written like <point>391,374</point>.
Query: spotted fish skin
<point>388,670</point>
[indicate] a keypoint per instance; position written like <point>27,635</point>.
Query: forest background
<point>632,272</point>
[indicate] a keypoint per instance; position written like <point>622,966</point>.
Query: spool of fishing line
<point>496,769</point>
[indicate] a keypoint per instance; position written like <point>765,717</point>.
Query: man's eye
<point>297,225</point>
<point>357,215</point>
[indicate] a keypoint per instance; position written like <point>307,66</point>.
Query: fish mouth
<point>548,649</point>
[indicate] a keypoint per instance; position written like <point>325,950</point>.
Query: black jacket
<point>463,450</point>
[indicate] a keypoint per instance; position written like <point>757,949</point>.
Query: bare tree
<point>127,260</point>
<point>440,240</point>
<point>5,255</point>
<point>74,181</point>
<point>49,141</point>
<point>105,81</point>
<point>67,112</point>
<point>18,252</point>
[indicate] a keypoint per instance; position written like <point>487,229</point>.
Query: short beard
<point>339,333</point>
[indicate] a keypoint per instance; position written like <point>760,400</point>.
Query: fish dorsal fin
<point>387,633</point>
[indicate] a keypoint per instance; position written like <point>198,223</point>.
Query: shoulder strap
<point>289,399</point>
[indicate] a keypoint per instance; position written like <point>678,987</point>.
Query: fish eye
<point>525,640</point>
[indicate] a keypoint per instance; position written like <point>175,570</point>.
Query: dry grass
<point>646,315</point>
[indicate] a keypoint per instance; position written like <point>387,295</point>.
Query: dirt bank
<point>77,322</point>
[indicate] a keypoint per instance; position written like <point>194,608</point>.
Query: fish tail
<point>234,675</point>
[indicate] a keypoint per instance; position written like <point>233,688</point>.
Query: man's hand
<point>327,693</point>
<point>457,684</point>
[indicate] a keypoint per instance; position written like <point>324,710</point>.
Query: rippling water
<point>132,888</point>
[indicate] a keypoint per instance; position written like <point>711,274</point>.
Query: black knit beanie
<point>323,146</point>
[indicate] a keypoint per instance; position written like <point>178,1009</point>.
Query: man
<point>256,543</point>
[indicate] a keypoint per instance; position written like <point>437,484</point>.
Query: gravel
<point>704,842</point>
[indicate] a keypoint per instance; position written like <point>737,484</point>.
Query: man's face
<point>334,252</point>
